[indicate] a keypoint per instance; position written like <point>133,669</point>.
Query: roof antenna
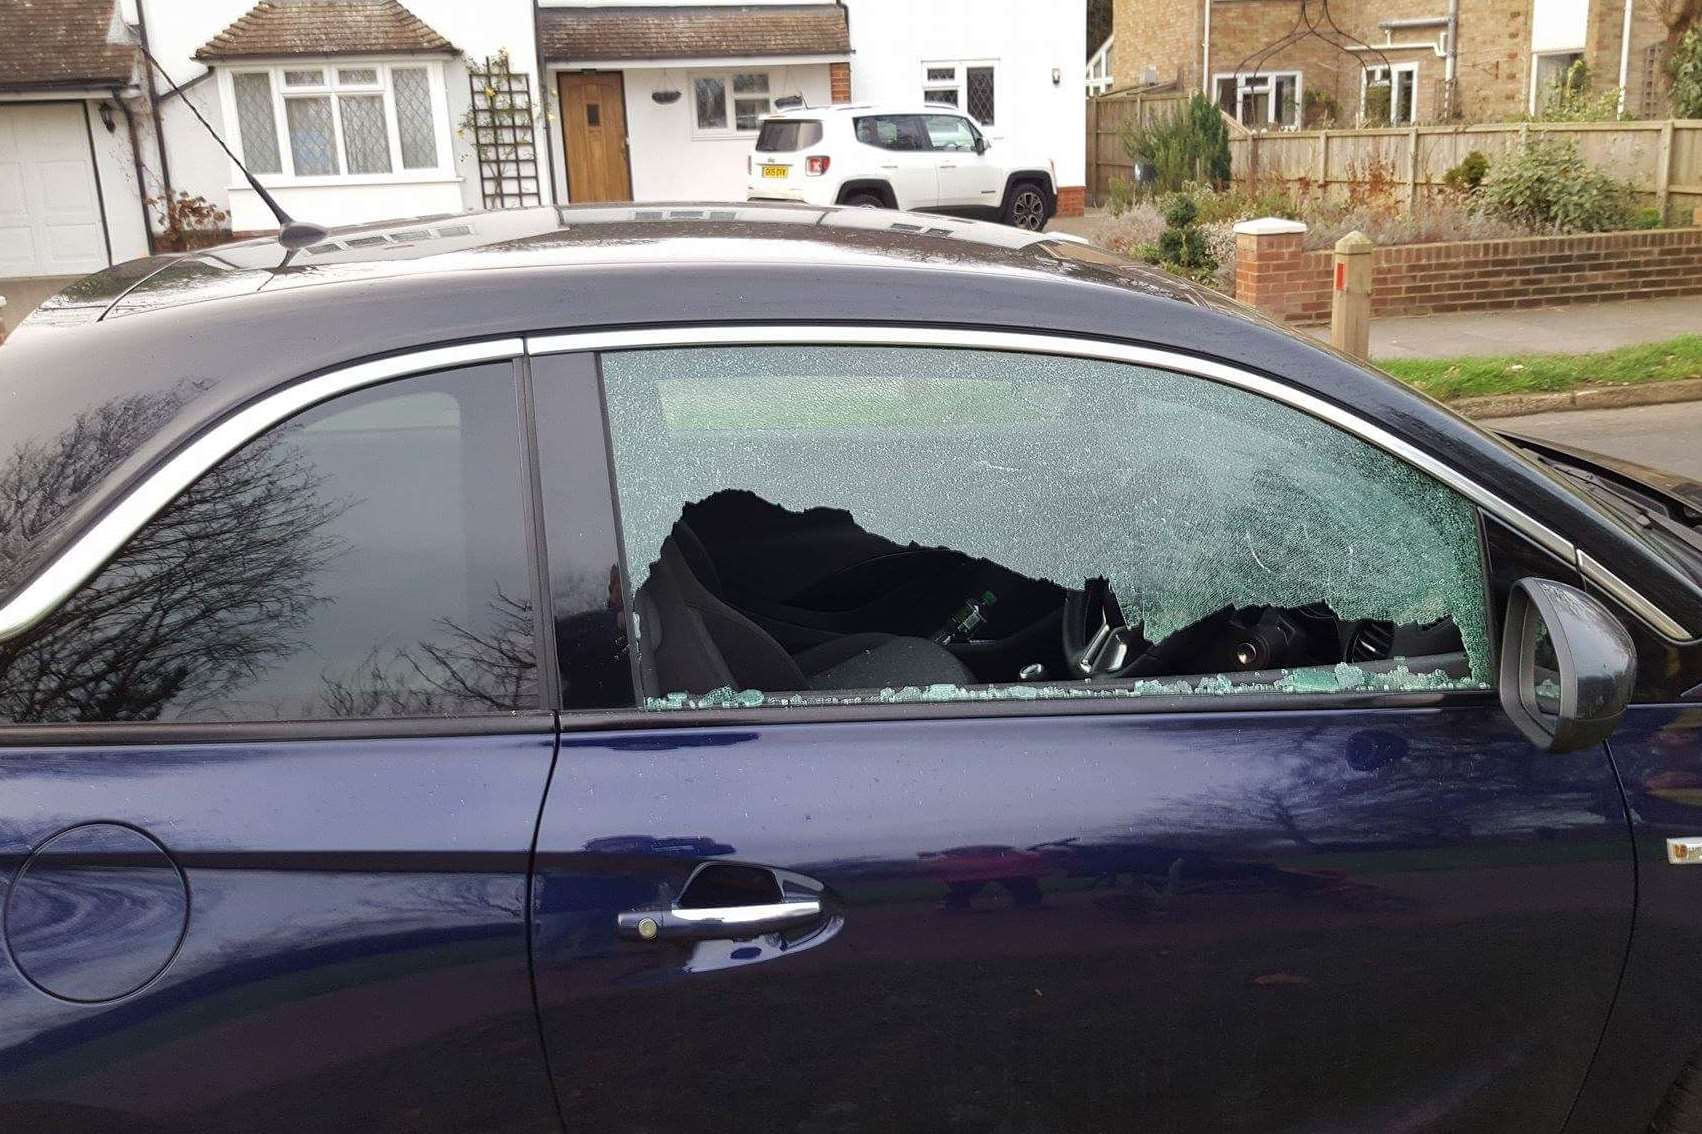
<point>292,234</point>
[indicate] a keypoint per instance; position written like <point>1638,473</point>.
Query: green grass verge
<point>1450,378</point>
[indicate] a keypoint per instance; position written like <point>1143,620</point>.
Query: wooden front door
<point>593,115</point>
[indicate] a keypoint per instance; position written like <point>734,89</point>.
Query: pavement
<point>1573,329</point>
<point>1666,437</point>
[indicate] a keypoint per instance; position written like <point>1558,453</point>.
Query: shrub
<point>1685,66</point>
<point>1468,175</point>
<point>1548,186</point>
<point>1182,247</point>
<point>1120,196</point>
<point>1647,217</point>
<point>1189,143</point>
<point>1569,98</point>
<point>1318,109</point>
<point>1377,103</point>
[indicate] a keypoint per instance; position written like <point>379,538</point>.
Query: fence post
<point>1663,170</point>
<point>1412,169</point>
<point>1323,160</point>
<point>1350,304</point>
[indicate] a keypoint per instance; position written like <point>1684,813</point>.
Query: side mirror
<point>1567,666</point>
<point>981,145</point>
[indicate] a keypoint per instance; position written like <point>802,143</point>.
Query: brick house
<point>1412,62</point>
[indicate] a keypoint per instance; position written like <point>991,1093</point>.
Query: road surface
<point>1668,437</point>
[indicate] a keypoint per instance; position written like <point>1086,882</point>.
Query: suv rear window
<point>786,135</point>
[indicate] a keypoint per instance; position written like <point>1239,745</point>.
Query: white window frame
<point>1244,88</point>
<point>728,99</point>
<point>1393,69</point>
<point>444,170</point>
<point>959,83</point>
<point>1536,92</point>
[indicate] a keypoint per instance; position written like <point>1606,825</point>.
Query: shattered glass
<point>1186,494</point>
<point>1340,678</point>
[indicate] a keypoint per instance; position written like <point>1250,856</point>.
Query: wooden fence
<point>1662,160</point>
<point>1107,115</point>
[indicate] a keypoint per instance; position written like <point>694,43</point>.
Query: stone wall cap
<point>1268,226</point>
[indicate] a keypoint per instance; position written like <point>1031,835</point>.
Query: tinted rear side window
<point>893,132</point>
<point>787,135</point>
<point>366,558</point>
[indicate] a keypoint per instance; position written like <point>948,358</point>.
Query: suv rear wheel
<point>1025,206</point>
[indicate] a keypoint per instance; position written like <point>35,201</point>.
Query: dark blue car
<point>749,668</point>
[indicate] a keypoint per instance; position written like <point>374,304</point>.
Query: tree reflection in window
<point>365,559</point>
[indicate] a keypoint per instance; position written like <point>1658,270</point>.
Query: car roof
<point>862,108</point>
<point>151,354</point>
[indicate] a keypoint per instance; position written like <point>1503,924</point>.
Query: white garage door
<point>49,210</point>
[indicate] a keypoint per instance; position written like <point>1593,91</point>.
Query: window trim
<point>960,84</point>
<point>90,551</point>
<point>1393,69</point>
<point>1272,120</point>
<point>729,100</point>
<point>331,88</point>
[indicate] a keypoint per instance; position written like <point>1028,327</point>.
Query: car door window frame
<point>1487,502</point>
<point>84,558</point>
<point>89,551</point>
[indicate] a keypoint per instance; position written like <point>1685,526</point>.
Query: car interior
<point>746,594</point>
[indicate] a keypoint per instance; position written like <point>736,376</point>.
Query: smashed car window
<point>891,523</point>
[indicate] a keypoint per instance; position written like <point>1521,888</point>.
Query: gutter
<point>1625,55</point>
<point>154,111</point>
<point>136,159</point>
<point>1205,53</point>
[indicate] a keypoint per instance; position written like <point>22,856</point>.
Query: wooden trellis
<point>503,139</point>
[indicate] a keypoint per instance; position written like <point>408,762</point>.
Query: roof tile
<point>699,32</point>
<point>63,43</point>
<point>324,27</point>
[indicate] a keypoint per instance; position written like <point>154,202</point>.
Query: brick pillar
<point>839,82</point>
<point>1072,200</point>
<point>1267,265</point>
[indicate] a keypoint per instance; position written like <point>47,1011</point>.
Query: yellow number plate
<point>775,170</point>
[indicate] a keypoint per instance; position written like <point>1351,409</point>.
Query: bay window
<point>341,119</point>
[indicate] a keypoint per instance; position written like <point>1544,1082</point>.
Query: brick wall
<point>1421,279</point>
<point>1072,200</point>
<point>839,82</point>
<point>1493,74</point>
<point>1161,34</point>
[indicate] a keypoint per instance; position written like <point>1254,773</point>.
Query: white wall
<point>892,38</point>
<point>116,167</point>
<point>670,162</point>
<point>176,28</point>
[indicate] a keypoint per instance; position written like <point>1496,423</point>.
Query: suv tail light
<point>817,164</point>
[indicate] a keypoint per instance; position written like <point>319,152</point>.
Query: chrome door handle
<point>894,165</point>
<point>951,166</point>
<point>720,923</point>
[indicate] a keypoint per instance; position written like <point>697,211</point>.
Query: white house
<point>356,110</point>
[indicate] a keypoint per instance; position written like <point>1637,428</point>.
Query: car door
<point>271,775</point>
<point>968,181</point>
<point>906,159</point>
<point>1279,861</point>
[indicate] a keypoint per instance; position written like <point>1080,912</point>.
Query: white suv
<point>923,158</point>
